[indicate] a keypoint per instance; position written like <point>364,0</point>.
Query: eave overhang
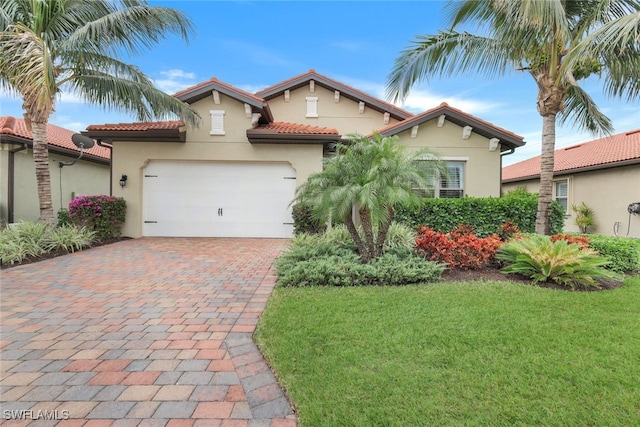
<point>12,139</point>
<point>150,135</point>
<point>258,136</point>
<point>508,141</point>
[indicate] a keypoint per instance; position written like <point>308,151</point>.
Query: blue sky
<point>255,44</point>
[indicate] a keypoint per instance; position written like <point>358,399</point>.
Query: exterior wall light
<point>123,181</point>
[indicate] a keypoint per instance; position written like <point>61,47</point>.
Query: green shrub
<point>304,222</point>
<point>68,238</point>
<point>63,218</point>
<point>25,240</point>
<point>541,259</point>
<point>398,236</point>
<point>314,260</point>
<point>102,214</point>
<point>622,253</point>
<point>485,215</point>
<point>348,270</point>
<point>21,241</point>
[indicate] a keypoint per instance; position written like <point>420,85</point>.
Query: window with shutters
<point>312,106</point>
<point>449,185</point>
<point>217,122</point>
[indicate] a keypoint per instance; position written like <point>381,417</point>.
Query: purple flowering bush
<point>102,214</point>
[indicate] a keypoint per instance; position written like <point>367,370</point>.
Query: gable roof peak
<point>303,79</point>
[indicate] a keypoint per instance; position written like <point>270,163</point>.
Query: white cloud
<point>175,80</point>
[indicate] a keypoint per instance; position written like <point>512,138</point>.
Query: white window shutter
<point>217,122</point>
<point>312,106</point>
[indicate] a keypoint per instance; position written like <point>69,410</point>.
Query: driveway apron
<point>151,331</point>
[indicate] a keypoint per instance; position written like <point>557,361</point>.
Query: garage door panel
<point>218,199</point>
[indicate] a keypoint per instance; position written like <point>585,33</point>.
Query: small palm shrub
<point>543,260</point>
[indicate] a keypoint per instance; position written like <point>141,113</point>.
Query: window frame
<point>438,189</point>
<point>566,197</point>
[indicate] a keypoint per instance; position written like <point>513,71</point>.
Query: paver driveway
<point>152,331</point>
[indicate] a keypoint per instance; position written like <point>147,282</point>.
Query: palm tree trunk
<point>545,194</point>
<point>365,256</point>
<point>383,230</point>
<point>367,228</point>
<point>43,177</point>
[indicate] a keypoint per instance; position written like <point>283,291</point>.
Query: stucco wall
<point>83,178</point>
<point>607,191</point>
<point>343,115</point>
<point>482,167</point>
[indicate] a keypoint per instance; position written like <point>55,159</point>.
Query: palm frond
<point>583,112</point>
<point>446,54</point>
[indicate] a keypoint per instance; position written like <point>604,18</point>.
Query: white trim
<point>217,122</point>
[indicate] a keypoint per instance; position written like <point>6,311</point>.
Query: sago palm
<point>372,175</point>
<point>537,37</point>
<point>50,46</point>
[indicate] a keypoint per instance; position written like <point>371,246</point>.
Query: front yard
<point>471,353</point>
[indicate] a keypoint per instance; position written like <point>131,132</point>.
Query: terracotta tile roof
<point>296,81</point>
<point>56,136</point>
<point>599,153</point>
<point>133,127</point>
<point>295,128</point>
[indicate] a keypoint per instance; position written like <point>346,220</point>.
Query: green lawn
<point>477,353</point>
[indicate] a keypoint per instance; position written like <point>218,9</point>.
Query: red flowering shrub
<point>102,214</point>
<point>460,248</point>
<point>583,241</point>
<point>508,230</point>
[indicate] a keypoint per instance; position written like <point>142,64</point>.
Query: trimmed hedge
<point>622,253</point>
<point>485,215</point>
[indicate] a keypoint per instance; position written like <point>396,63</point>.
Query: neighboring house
<point>19,191</point>
<point>236,174</point>
<point>604,174</point>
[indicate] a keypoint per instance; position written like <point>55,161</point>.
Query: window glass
<point>448,185</point>
<point>562,191</point>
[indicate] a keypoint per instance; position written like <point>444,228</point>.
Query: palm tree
<point>536,36</point>
<point>373,174</point>
<point>72,45</point>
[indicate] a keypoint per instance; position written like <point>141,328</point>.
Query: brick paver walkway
<point>153,331</point>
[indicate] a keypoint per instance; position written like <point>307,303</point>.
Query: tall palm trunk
<point>367,228</point>
<point>43,177</point>
<point>545,194</point>
<point>550,102</point>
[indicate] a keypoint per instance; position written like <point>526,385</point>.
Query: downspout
<point>506,153</point>
<point>11,181</point>
<point>101,143</point>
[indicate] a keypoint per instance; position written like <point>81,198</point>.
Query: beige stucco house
<point>236,174</point>
<point>603,173</point>
<point>18,189</point>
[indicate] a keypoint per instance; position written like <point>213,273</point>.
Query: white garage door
<point>205,199</point>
